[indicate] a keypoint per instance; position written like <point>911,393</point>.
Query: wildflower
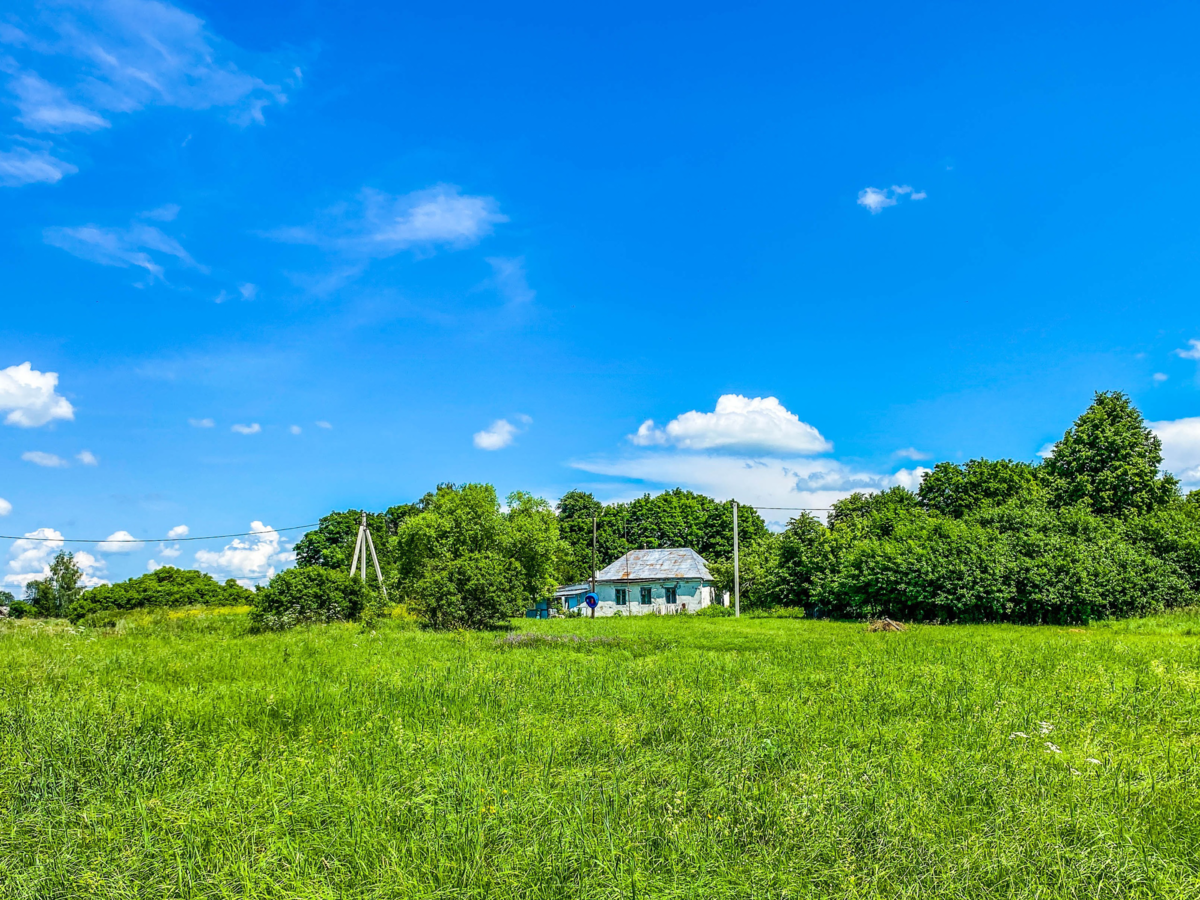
<point>1094,762</point>
<point>1045,727</point>
<point>1017,734</point>
<point>1051,748</point>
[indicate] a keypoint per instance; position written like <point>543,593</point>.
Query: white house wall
<point>690,596</point>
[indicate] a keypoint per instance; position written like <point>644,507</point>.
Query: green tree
<point>53,595</point>
<point>166,587</point>
<point>805,558</point>
<point>954,490</point>
<point>533,541</point>
<point>1109,460</point>
<point>476,591</point>
<point>312,594</point>
<point>331,544</point>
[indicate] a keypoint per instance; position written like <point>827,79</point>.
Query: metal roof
<point>656,565</point>
<point>568,589</point>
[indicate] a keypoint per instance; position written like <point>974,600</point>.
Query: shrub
<point>714,611</point>
<point>474,591</point>
<point>19,609</point>
<point>309,595</point>
<point>165,587</point>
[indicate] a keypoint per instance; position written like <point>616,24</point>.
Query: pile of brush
<point>885,624</point>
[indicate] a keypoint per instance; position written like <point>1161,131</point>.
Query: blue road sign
<point>591,600</point>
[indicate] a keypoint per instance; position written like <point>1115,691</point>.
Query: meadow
<point>177,756</point>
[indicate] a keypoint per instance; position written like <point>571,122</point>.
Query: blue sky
<point>282,259</point>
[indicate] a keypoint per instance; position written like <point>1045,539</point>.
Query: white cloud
<point>21,166</point>
<point>121,56</point>
<point>910,453</point>
<point>249,561</point>
<point>1047,450</point>
<point>1192,351</point>
<point>252,428</point>
<point>322,424</point>
<point>30,557</point>
<point>165,213</point>
<point>177,532</point>
<point>765,482</point>
<point>508,277</point>
<point>738,422</point>
<point>29,397</point>
<point>5,507</point>
<point>169,552</point>
<point>876,199</point>
<point>45,107</point>
<point>201,423</point>
<point>1181,448</point>
<point>497,436</point>
<point>45,460</point>
<point>295,429</point>
<point>1160,377</point>
<point>121,247</point>
<point>120,542</point>
<point>87,457</point>
<point>248,291</point>
<point>379,225</point>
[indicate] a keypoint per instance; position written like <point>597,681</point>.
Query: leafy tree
<point>53,595</point>
<point>312,594</point>
<point>954,490</point>
<point>1109,460</point>
<point>166,587</point>
<point>758,565</point>
<point>533,541</point>
<point>6,598</point>
<point>331,544</point>
<point>805,557</point>
<point>873,513</point>
<point>477,591</point>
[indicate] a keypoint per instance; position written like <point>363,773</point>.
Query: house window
<point>670,594</point>
<point>647,595</point>
<point>622,596</point>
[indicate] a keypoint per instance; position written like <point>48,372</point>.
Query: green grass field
<point>175,756</point>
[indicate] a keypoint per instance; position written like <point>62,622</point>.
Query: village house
<point>654,581</point>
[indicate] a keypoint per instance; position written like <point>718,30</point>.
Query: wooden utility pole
<point>593,578</point>
<point>360,547</point>
<point>737,581</point>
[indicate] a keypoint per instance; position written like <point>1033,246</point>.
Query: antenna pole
<point>737,583</point>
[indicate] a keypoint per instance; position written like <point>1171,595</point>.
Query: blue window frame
<point>622,596</point>
<point>647,596</point>
<point>670,594</point>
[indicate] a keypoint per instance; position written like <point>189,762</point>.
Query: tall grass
<point>176,756</point>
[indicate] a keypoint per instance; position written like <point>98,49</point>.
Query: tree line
<point>1095,530</point>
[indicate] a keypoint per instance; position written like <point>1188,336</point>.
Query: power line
<point>793,508</point>
<point>206,537</point>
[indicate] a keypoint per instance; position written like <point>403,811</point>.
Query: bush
<point>166,587</point>
<point>714,611</point>
<point>475,591</point>
<point>309,595</point>
<point>19,609</point>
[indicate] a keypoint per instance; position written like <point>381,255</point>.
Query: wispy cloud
<point>377,225</point>
<point>44,107</point>
<point>252,428</point>
<point>21,166</point>
<point>508,277</point>
<point>1192,351</point>
<point>737,422</point>
<point>878,199</point>
<point>910,453</point>
<point>201,423</point>
<point>45,460</point>
<point>87,457</point>
<point>122,247</point>
<point>30,397</point>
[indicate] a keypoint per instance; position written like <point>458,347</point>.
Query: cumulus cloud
<point>250,561</point>
<point>30,557</point>
<point>201,423</point>
<point>21,166</point>
<point>177,532</point>
<point>138,246</point>
<point>498,435</point>
<point>766,481</point>
<point>876,199</point>
<point>120,542</point>
<point>5,507</point>
<point>378,225</point>
<point>1192,351</point>
<point>760,423</point>
<point>45,460</point>
<point>1181,448</point>
<point>252,428</point>
<point>508,277</point>
<point>87,457</point>
<point>30,398</point>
